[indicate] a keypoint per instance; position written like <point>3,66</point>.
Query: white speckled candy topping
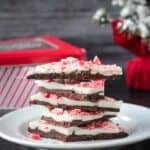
<point>91,87</point>
<point>73,65</point>
<point>89,129</point>
<point>54,100</point>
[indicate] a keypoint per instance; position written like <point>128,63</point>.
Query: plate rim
<point>74,145</point>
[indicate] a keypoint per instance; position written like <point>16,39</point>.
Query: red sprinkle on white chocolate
<point>92,84</point>
<point>106,125</point>
<point>53,96</point>
<point>81,62</point>
<point>50,80</point>
<point>79,112</point>
<point>70,62</point>
<point>48,95</point>
<point>58,111</point>
<point>96,61</point>
<point>85,84</point>
<point>102,125</point>
<point>75,112</point>
<point>34,136</point>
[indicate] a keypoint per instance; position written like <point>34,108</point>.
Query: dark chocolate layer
<point>75,122</point>
<point>81,76</point>
<point>73,95</point>
<point>56,135</point>
<point>68,107</point>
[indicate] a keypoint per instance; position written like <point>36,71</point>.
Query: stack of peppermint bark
<point>72,93</point>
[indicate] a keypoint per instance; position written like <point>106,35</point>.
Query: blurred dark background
<point>70,20</point>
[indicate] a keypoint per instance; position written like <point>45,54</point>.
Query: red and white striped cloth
<point>15,89</point>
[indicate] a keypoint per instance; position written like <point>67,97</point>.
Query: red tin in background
<point>35,50</point>
<point>18,55</point>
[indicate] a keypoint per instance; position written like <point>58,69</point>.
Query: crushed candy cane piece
<point>106,125</point>
<point>53,96</point>
<point>79,112</point>
<point>34,136</point>
<point>96,61</point>
<point>58,111</point>
<point>92,84</point>
<point>75,112</point>
<point>48,95</point>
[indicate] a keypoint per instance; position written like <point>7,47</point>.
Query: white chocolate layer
<point>70,65</point>
<point>104,103</point>
<point>67,116</point>
<point>72,87</point>
<point>108,128</point>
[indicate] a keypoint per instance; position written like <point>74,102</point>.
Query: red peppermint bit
<point>81,62</point>
<point>75,112</point>
<point>85,84</point>
<point>91,126</point>
<point>97,83</point>
<point>50,80</point>
<point>53,96</point>
<point>65,62</point>
<point>96,61</point>
<point>58,111</point>
<point>46,95</point>
<point>34,136</point>
<point>93,84</point>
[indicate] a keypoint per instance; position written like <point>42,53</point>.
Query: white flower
<point>143,29</point>
<point>118,2</point>
<point>142,11</point>
<point>126,11</point>
<point>128,24</point>
<point>101,16</point>
<point>146,21</point>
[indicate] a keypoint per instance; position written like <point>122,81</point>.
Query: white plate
<point>133,117</point>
